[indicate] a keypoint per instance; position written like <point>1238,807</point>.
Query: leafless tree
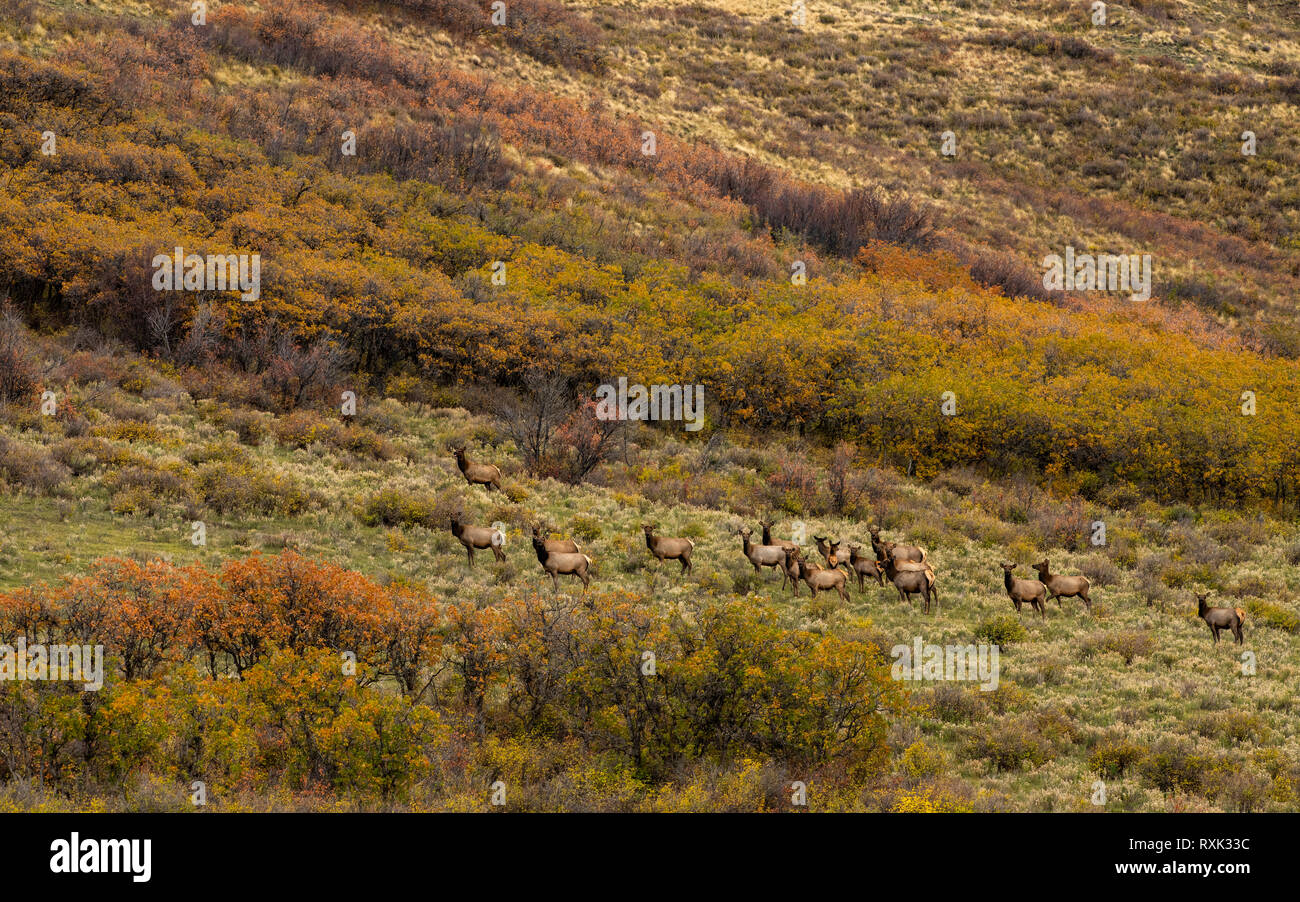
<point>557,434</point>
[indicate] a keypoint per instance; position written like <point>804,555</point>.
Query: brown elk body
<point>1221,619</point>
<point>563,563</point>
<point>794,568</point>
<point>561,545</point>
<point>823,580</point>
<point>1059,586</point>
<point>667,548</point>
<point>473,537</point>
<point>911,578</point>
<point>900,553</point>
<point>762,555</point>
<point>1024,591</point>
<point>865,567</point>
<point>475,473</point>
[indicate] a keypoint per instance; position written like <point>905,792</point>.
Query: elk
<point>1059,586</point>
<point>477,474</point>
<point>473,537</point>
<point>794,568</point>
<point>762,555</point>
<point>562,545</point>
<point>864,566</point>
<point>767,536</point>
<point>830,551</point>
<point>566,563</point>
<point>1221,619</point>
<point>820,580</point>
<point>1024,591</point>
<point>665,548</point>
<point>911,578</point>
<point>913,553</point>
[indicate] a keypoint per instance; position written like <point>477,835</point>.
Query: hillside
<point>501,243</point>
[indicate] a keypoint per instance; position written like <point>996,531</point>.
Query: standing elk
<point>762,555</point>
<point>820,580</point>
<point>665,548</point>
<point>1059,586</point>
<point>477,474</point>
<point>864,566</point>
<point>561,545</point>
<point>912,578</point>
<point>901,553</point>
<point>1221,619</point>
<point>473,537</point>
<point>566,563</point>
<point>794,568</point>
<point>830,551</point>
<point>1023,591</point>
<point>767,536</point>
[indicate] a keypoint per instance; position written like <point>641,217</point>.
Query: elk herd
<point>905,567</point>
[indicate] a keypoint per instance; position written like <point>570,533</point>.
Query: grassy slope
<point>1063,673</point>
<point>1053,148</point>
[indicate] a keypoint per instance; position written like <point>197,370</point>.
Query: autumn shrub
<point>131,431</point>
<point>85,454</point>
<point>318,727</point>
<point>303,428</point>
<point>1172,766</point>
<point>161,482</point>
<point>230,487</point>
<point>934,798</point>
<point>1112,757</point>
<point>1231,726</point>
<point>1002,629</point>
<point>1274,615</point>
<point>1100,570</point>
<point>1009,744</point>
<point>362,442</point>
<point>251,426</point>
<point>401,507</point>
<point>30,467</point>
<point>17,362</point>
<point>43,724</point>
<point>921,761</point>
<point>139,611</point>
